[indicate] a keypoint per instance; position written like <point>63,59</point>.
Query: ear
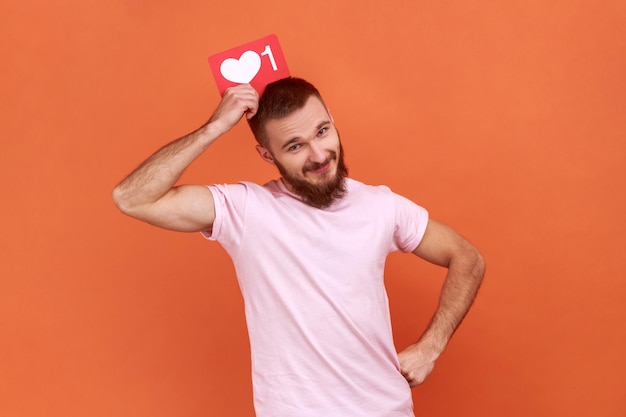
<point>265,154</point>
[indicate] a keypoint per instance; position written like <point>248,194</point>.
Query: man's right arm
<point>149,192</point>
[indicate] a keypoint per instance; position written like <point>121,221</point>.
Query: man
<point>309,250</point>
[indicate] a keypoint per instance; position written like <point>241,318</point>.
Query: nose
<point>316,154</point>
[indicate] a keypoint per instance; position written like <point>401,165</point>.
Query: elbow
<point>121,201</point>
<point>473,260</point>
<point>479,265</point>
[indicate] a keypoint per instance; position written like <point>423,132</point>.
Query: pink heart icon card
<point>258,63</point>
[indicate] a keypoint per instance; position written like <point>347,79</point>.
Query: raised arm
<point>443,246</point>
<point>149,192</point>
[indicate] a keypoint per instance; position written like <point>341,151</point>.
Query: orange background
<point>505,119</point>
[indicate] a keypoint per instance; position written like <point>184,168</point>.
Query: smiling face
<point>306,149</point>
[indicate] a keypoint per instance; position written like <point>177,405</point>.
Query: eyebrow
<point>297,138</point>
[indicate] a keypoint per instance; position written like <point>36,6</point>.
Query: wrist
<point>210,131</point>
<point>432,344</point>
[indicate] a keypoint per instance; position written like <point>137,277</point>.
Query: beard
<point>320,195</point>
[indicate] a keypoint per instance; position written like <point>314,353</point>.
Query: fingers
<point>244,98</point>
<point>237,101</point>
<point>414,366</point>
<point>414,379</point>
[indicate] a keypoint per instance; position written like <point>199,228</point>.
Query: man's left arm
<point>443,246</point>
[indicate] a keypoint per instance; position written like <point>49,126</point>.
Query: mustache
<point>317,165</point>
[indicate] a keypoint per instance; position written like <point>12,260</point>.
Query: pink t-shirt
<point>315,303</point>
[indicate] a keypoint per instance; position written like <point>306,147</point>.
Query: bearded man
<point>309,251</point>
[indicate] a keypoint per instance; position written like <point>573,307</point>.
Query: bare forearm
<point>149,192</point>
<point>158,174</point>
<point>465,274</point>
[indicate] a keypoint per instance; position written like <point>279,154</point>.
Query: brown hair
<point>280,99</point>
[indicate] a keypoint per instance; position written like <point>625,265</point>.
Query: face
<point>306,149</point>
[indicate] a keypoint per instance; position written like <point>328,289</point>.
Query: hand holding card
<point>258,63</point>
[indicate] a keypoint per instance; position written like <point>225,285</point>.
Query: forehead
<point>302,123</point>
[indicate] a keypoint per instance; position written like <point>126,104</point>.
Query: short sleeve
<point>410,224</point>
<point>230,206</point>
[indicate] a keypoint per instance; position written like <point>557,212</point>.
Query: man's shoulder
<point>244,190</point>
<point>356,186</point>
<point>374,194</point>
<point>247,186</point>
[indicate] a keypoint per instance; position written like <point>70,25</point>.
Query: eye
<point>294,147</point>
<point>322,131</point>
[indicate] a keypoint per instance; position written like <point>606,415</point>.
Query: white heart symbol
<point>241,70</point>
